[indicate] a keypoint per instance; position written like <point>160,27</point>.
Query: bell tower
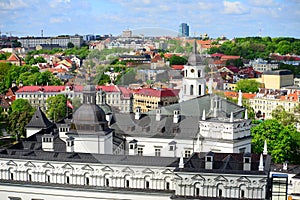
<point>193,82</point>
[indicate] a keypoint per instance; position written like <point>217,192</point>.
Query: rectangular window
<point>187,153</point>
<point>140,151</point>
<point>158,152</point>
<point>171,148</point>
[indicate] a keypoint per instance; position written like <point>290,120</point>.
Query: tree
<point>21,105</point>
<point>70,45</point>
<point>177,60</point>
<point>247,86</point>
<point>19,117</point>
<point>284,117</point>
<point>57,107</point>
<point>281,141</point>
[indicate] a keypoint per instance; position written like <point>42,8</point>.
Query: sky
<point>229,18</point>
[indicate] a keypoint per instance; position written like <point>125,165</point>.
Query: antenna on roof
<point>42,33</point>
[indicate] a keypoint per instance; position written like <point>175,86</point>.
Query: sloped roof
<point>36,88</point>
<point>13,58</point>
<point>226,163</point>
<point>158,93</point>
<point>39,120</point>
<point>195,107</point>
<point>188,127</point>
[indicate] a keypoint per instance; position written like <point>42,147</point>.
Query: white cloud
<point>55,3</point>
<point>12,4</point>
<point>235,7</point>
<point>56,20</point>
<point>262,3</point>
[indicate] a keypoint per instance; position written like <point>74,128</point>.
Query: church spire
<point>265,152</point>
<point>261,163</point>
<point>181,164</point>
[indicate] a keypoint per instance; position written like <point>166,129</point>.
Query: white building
<point>193,82</point>
<point>96,155</point>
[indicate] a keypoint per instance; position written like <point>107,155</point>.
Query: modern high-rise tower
<point>184,30</point>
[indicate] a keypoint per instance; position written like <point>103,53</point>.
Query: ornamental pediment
<point>127,170</point>
<point>243,179</point>
<point>198,178</point>
<point>221,178</point>
<point>107,169</point>
<point>11,163</point>
<point>87,167</point>
<point>148,171</point>
<point>48,165</point>
<point>29,164</point>
<point>67,166</point>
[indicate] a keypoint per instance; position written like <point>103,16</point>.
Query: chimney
<point>209,159</point>
<point>137,113</point>
<point>261,163</point>
<point>176,116</point>
<point>21,83</point>
<point>48,142</point>
<point>70,144</point>
<point>13,84</point>
<point>158,114</point>
<point>246,114</point>
<point>247,162</point>
<point>203,115</point>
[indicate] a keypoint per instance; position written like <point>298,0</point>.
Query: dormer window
<point>208,159</point>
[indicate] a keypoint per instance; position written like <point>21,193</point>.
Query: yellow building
<point>277,79</point>
<point>150,99</point>
<point>268,100</point>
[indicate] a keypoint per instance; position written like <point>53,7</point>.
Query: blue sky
<point>231,18</point>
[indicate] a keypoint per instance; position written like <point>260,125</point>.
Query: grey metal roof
<point>225,163</point>
<point>39,120</point>
<point>89,158</point>
<point>278,72</point>
<point>188,127</point>
<point>195,59</point>
<point>194,107</point>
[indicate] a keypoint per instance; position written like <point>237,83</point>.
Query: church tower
<point>193,83</point>
<point>89,127</point>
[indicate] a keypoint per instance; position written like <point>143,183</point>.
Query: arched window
<point>192,90</point>
<point>199,73</point>
<point>199,88</point>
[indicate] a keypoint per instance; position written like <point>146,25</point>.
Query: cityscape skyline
<point>242,18</point>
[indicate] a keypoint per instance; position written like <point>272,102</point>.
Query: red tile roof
<point>125,92</point>
<point>227,57</point>
<point>158,93</point>
<point>37,88</point>
<point>109,88</point>
<point>178,67</point>
<point>13,58</point>
<point>217,55</point>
